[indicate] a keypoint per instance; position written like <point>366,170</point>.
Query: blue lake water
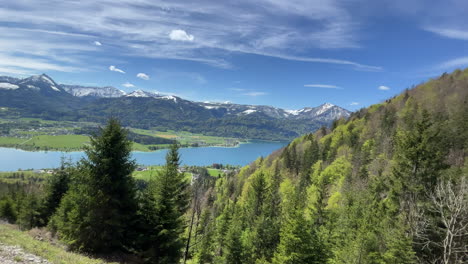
<point>14,159</point>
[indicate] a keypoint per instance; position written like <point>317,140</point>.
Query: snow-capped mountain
<point>143,94</point>
<point>40,82</point>
<point>40,96</point>
<point>101,92</point>
<point>323,112</point>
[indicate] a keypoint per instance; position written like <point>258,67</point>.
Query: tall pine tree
<point>162,213</point>
<point>98,213</point>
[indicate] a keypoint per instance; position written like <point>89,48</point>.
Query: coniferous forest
<point>387,185</point>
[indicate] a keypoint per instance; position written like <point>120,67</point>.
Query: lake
<point>14,159</point>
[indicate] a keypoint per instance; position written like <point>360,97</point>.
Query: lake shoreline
<point>71,150</point>
<point>13,159</point>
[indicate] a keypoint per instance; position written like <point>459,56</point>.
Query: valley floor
<point>32,134</point>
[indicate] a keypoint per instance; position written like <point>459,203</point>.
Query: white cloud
<point>326,86</point>
<point>97,43</point>
<point>128,85</point>
<point>180,35</point>
<point>384,88</point>
<point>354,103</point>
<point>455,63</point>
<point>265,28</point>
<point>113,68</point>
<point>143,76</point>
<point>18,64</point>
<point>449,33</point>
<point>254,94</point>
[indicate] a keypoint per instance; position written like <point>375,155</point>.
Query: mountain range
<point>40,96</point>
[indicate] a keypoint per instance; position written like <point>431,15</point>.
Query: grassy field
<point>55,254</point>
<point>187,138</point>
<point>10,141</point>
<point>151,172</point>
<point>46,142</point>
<point>214,172</point>
<point>36,134</point>
<point>59,142</point>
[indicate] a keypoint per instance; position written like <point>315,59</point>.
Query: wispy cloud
<point>206,32</point>
<point>143,76</point>
<point>97,43</point>
<point>192,76</point>
<point>18,64</point>
<point>454,63</point>
<point>237,89</point>
<point>450,33</point>
<point>128,85</point>
<point>115,69</point>
<point>383,88</point>
<point>325,86</point>
<point>180,35</point>
<point>255,94</point>
<point>354,103</point>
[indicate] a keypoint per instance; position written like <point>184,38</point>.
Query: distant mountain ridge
<point>41,96</point>
<point>103,92</point>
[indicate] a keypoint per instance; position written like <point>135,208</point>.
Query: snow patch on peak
<point>211,107</point>
<point>141,93</point>
<point>8,86</point>
<point>48,80</point>
<point>249,111</point>
<point>55,88</point>
<point>170,97</point>
<point>323,108</point>
<point>328,105</point>
<point>292,112</point>
<point>138,93</point>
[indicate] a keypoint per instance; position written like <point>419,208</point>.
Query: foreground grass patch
<point>57,255</point>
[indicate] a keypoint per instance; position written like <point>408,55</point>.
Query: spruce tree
<point>56,187</point>
<point>7,210</point>
<point>98,213</point>
<point>162,213</point>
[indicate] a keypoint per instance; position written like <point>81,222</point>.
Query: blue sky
<point>290,53</point>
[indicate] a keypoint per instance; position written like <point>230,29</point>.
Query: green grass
<point>55,254</point>
<point>184,137</point>
<point>59,142</point>
<point>152,171</point>
<point>146,175</point>
<point>37,134</point>
<point>10,141</point>
<point>46,142</point>
<point>214,172</point>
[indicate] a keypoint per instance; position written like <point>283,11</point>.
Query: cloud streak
<point>128,85</point>
<point>206,32</point>
<point>325,86</point>
<point>255,94</point>
<point>115,69</point>
<point>454,63</point>
<point>383,88</point>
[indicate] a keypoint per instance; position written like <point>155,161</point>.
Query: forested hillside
<point>389,185</point>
